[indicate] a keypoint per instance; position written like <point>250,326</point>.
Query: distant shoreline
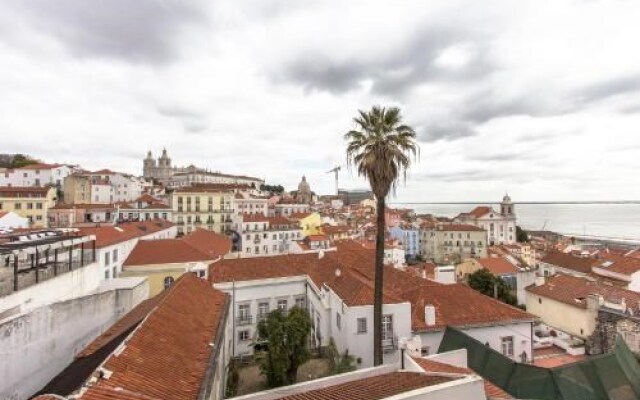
<point>515,202</point>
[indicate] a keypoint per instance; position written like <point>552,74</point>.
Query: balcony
<point>244,320</point>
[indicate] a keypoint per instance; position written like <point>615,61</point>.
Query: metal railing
<point>244,320</point>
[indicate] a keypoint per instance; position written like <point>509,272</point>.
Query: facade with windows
<point>500,226</point>
<point>409,238</point>
<point>36,175</point>
<point>261,236</point>
<point>336,290</point>
<point>32,203</point>
<point>201,207</point>
<point>452,243</point>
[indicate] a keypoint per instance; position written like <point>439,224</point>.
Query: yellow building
<point>77,189</point>
<point>310,222</point>
<point>163,261</point>
<point>204,207</point>
<point>29,202</point>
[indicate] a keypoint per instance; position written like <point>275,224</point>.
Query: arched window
<point>168,281</point>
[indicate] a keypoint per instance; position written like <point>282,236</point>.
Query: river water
<point>610,220</point>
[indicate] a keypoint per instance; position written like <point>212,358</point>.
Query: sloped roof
<point>458,305</point>
<point>167,356</point>
<point>574,291</point>
<point>498,265</point>
<point>164,251</point>
<point>492,391</point>
<point>372,388</point>
<point>108,235</point>
<point>569,261</point>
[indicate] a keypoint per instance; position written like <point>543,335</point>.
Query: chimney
<point>430,314</point>
<point>320,254</point>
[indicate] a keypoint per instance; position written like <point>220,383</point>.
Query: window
<point>115,272</point>
<point>115,255</point>
<point>283,305</point>
<point>507,346</point>
<point>168,281</point>
<point>106,274</point>
<point>338,321</point>
<point>362,325</point>
<point>38,206</point>
<point>106,258</point>
<point>263,309</point>
<point>244,314</point>
<point>18,206</point>
<point>243,336</point>
<point>424,351</point>
<point>300,302</point>
<point>387,327</point>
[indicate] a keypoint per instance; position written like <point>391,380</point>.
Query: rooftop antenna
<point>335,170</point>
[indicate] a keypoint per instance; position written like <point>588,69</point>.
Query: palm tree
<point>382,149</point>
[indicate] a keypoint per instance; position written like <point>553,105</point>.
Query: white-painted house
<point>115,242</point>
<point>337,289</point>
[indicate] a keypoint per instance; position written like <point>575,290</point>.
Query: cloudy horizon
<point>540,99</point>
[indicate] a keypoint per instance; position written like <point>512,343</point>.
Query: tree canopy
<point>486,283</point>
<point>286,337</point>
<point>521,235</point>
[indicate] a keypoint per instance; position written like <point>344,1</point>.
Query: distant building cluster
<point>106,279</point>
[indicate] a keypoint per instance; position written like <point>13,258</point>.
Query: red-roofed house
<point>163,261</point>
<point>39,174</point>
<point>259,235</point>
<point>337,289</point>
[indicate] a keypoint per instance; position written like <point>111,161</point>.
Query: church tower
<point>304,191</point>
<point>506,207</point>
<point>164,166</point>
<point>148,166</point>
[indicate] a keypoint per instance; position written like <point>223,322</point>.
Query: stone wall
<point>609,324</point>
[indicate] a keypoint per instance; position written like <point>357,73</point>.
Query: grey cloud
<point>502,156</point>
<point>611,87</point>
<point>395,72</point>
<point>446,130</point>
<point>135,31</point>
<point>194,122</point>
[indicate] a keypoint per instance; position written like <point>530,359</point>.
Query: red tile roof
<point>498,265</point>
<point>208,242</point>
<point>459,306</point>
<point>568,261</point>
<point>25,191</point>
<point>108,235</point>
<point>164,251</point>
<point>167,356</point>
<point>574,291</point>
<point>40,166</point>
<point>492,391</point>
<point>317,238</point>
<point>459,228</point>
<point>620,265</point>
<point>481,211</point>
<point>372,388</point>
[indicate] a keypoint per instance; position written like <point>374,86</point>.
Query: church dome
<point>506,199</point>
<point>304,186</point>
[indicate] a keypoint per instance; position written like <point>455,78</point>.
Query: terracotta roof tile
<point>492,391</point>
<point>498,265</point>
<point>568,261</point>
<point>25,191</point>
<point>164,251</point>
<point>574,291</point>
<point>372,388</point>
<point>108,235</point>
<point>167,356</point>
<point>459,306</point>
<point>620,265</point>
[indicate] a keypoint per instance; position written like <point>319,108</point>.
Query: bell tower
<point>148,166</point>
<point>506,207</point>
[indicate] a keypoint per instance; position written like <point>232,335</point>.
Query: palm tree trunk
<point>378,284</point>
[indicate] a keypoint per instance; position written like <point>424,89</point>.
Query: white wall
<point>12,220</point>
<point>68,285</point>
<point>38,345</point>
<point>521,332</point>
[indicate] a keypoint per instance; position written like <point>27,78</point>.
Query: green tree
<point>488,284</point>
<point>21,160</point>
<point>521,235</point>
<point>286,336</point>
<point>382,149</point>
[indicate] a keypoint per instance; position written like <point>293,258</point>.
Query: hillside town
<point>153,286</point>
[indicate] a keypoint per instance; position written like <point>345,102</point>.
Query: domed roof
<point>304,185</point>
<point>506,199</point>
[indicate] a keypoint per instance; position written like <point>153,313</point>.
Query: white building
<point>260,235</point>
<point>286,207</point>
<point>10,220</point>
<point>337,289</point>
<point>39,174</point>
<point>500,226</point>
<point>114,243</point>
<point>245,203</point>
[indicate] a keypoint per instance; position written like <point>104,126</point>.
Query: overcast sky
<point>538,98</point>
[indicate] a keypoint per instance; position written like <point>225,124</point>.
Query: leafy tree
<point>21,160</point>
<point>521,235</point>
<point>486,283</point>
<point>381,148</point>
<point>274,189</point>
<point>286,336</point>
